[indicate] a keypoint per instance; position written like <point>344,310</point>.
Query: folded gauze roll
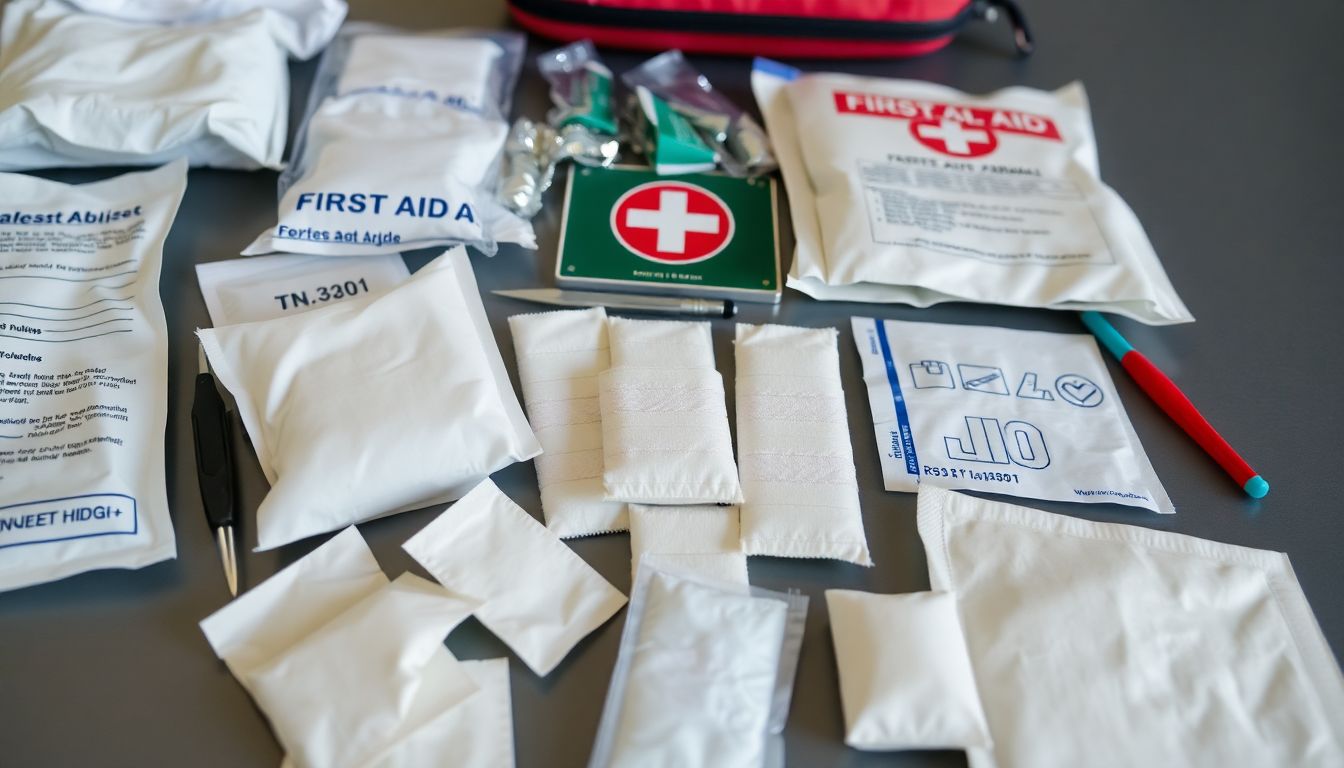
<point>560,355</point>
<point>80,89</point>
<point>665,436</point>
<point>372,406</point>
<point>793,446</point>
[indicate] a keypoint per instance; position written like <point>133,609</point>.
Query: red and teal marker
<point>1173,401</point>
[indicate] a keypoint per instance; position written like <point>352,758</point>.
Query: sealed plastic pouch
<point>400,146</point>
<point>80,89</point>
<point>704,675</point>
<point>372,406</point>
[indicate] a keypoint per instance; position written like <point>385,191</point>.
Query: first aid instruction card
<point>1022,413</point>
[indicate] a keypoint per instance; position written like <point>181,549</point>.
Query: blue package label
<point>72,517</point>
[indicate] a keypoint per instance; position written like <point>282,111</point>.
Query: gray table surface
<point>1218,122</point>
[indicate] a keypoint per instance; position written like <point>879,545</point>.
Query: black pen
<point>214,466</point>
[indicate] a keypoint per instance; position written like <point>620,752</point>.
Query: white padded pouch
<point>679,531</point>
<point>905,677</point>
<point>372,406</point>
<point>536,594</point>
<point>665,437</point>
<point>1207,653</point>
<point>560,355</point>
<point>802,496</point>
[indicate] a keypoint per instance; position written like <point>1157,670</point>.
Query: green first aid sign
<point>698,234</point>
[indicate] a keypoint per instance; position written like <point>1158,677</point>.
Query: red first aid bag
<point>851,29</point>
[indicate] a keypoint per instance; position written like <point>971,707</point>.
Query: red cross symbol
<point>950,137</point>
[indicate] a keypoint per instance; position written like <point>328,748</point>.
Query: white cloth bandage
<point>686,530</point>
<point>802,497</point>
<point>80,89</point>
<point>1207,654</point>
<point>560,355</point>
<point>374,405</point>
<point>905,678</point>
<point>665,437</point>
<point>536,594</point>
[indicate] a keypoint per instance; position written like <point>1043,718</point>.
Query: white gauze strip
<point>802,498</point>
<point>665,437</point>
<point>678,531</point>
<point>560,355</point>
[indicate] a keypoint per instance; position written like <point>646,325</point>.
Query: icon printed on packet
<point>983,378</point>
<point>1030,390</point>
<point>932,374</point>
<point>1078,390</point>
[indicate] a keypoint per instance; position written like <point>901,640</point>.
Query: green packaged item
<point>580,87</point>
<point>705,235</point>
<point>673,144</point>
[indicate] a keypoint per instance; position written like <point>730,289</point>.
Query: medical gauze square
<point>801,494</point>
<point>83,89</point>
<point>372,406</point>
<point>684,530</point>
<point>477,733</point>
<point>905,677</point>
<point>1206,654</point>
<point>536,594</point>
<point>1022,413</point>
<point>665,437</point>
<point>560,355</point>
<point>913,192</point>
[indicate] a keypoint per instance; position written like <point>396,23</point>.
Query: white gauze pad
<point>905,676</point>
<point>536,594</point>
<point>560,355</point>
<point>665,436</point>
<point>802,497</point>
<point>676,533</point>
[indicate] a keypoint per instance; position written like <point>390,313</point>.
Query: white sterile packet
<point>536,594</point>
<point>83,374</point>
<point>682,531</point>
<point>665,437</point>
<point>293,609</point>
<point>1023,413</point>
<point>802,495</point>
<point>267,287</point>
<point>346,693</point>
<point>80,89</point>
<point>704,675</point>
<point>400,146</point>
<point>905,677</point>
<point>560,355</point>
<point>1207,653</point>
<point>910,192</point>
<point>303,27</point>
<point>372,406</point>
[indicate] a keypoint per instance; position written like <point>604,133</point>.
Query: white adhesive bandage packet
<point>267,287</point>
<point>303,27</point>
<point>1208,653</point>
<point>802,496</point>
<point>688,530</point>
<point>400,146</point>
<point>374,405</point>
<point>80,89</point>
<point>915,193</point>
<point>905,676</point>
<point>536,594</point>
<point>321,610</point>
<point>1023,413</point>
<point>704,675</point>
<point>665,437</point>
<point>560,355</point>
<point>83,374</point>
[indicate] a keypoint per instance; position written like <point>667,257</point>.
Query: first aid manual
<point>83,374</point>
